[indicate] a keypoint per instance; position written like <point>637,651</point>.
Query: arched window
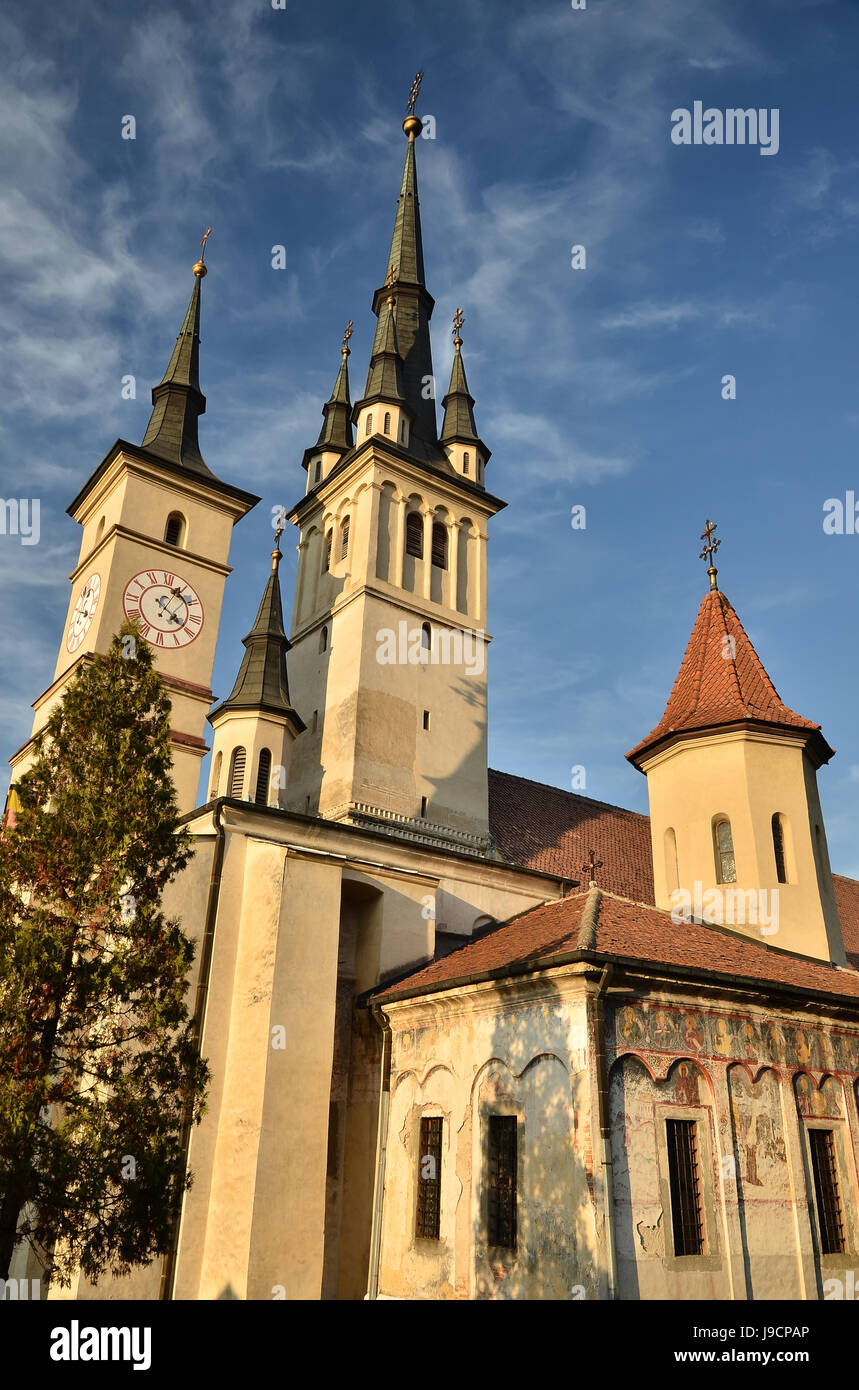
<point>344,538</point>
<point>216,777</point>
<point>415,535</point>
<point>323,640</point>
<point>263,778</point>
<point>466,463</point>
<point>779,851</point>
<point>426,637</point>
<point>174,531</point>
<point>672,872</point>
<point>726,868</point>
<point>318,470</point>
<point>326,559</point>
<point>368,424</point>
<point>439,545</point>
<point>387,425</point>
<point>236,783</point>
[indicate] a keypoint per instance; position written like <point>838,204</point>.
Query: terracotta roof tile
<point>722,681</point>
<point>631,930</point>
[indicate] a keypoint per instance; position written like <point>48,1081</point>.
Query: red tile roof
<point>546,828</point>
<point>615,926</point>
<point>722,681</point>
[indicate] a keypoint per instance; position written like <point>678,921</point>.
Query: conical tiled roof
<point>721,682</point>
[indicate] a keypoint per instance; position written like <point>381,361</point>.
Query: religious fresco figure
<point>723,1041</point>
<point>803,1054</point>
<point>691,1036</point>
<point>750,1035</point>
<point>750,1144</point>
<point>686,1085</point>
<point>777,1042</point>
<point>663,1028</point>
<point>631,1029</point>
<point>771,1142</point>
<point>827,1051</point>
<point>803,1094</point>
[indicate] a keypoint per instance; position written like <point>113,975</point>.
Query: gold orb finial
<point>345,349</point>
<point>413,125</point>
<point>201,269</point>
<point>458,321</point>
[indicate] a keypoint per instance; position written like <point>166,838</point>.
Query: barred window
<point>428,1218</point>
<point>830,1216</point>
<point>687,1216</point>
<point>502,1181</point>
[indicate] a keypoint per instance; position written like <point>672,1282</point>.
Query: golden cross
<point>206,235</point>
<point>709,551</point>
<point>415,90</point>
<point>347,335</point>
<point>458,321</point>
<point>592,865</point>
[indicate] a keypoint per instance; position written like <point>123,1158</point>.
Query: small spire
<point>177,401</point>
<point>591,867</point>
<point>336,432</point>
<point>709,551</point>
<point>458,405</point>
<point>385,375</point>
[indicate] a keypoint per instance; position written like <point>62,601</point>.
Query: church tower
<point>156,529</point>
<point>388,661</point>
<point>736,825</point>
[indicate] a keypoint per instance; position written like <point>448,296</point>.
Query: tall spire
<point>336,431</point>
<point>458,404</point>
<point>262,682</point>
<point>177,399</point>
<point>405,272</point>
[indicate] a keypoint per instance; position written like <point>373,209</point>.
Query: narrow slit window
<point>465,463</point>
<point>426,718</point>
<point>387,424</point>
<point>439,546</point>
<point>830,1216</point>
<point>327,560</point>
<point>216,777</point>
<point>236,784</point>
<point>315,724</point>
<point>415,535</point>
<point>426,637</point>
<point>778,848</point>
<point>323,640</point>
<point>428,1216</point>
<point>687,1216</point>
<point>344,538</point>
<point>423,807</point>
<point>403,431</point>
<point>318,470</point>
<point>263,778</point>
<point>726,866</point>
<point>502,1181</point>
<point>368,425</point>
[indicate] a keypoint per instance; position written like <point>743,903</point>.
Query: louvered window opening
<point>428,1216</point>
<point>439,546</point>
<point>502,1181</point>
<point>173,534</point>
<point>687,1215</point>
<point>237,773</point>
<point>344,539</point>
<point>415,535</point>
<point>328,551</point>
<point>263,778</point>
<point>778,849</point>
<point>830,1215</point>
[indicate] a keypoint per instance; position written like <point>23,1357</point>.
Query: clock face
<point>84,612</point>
<point>166,608</point>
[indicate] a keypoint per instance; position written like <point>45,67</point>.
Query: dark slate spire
<point>405,272</point>
<point>385,377</point>
<point>458,405</point>
<point>261,683</point>
<point>177,399</point>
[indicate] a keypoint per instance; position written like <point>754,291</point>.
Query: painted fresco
<point>818,1103</point>
<point>658,1032</point>
<point>759,1146</point>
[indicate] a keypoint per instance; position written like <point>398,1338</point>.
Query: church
<point>471,1037</point>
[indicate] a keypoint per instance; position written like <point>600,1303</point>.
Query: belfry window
<point>778,848</point>
<point>344,538</point>
<point>439,545</point>
<point>726,867</point>
<point>687,1215</point>
<point>318,470</point>
<point>466,463</point>
<point>387,424</point>
<point>175,529</point>
<point>216,777</point>
<point>263,777</point>
<point>368,424</point>
<point>236,783</point>
<point>326,566</point>
<point>502,1159</point>
<point>415,535</point>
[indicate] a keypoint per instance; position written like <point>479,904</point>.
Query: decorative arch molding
<point>659,1066</point>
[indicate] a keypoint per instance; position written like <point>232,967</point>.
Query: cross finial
<point>591,867</point>
<point>279,518</point>
<point>346,336</point>
<point>458,321</point>
<point>709,551</point>
<point>415,91</point>
<point>200,268</point>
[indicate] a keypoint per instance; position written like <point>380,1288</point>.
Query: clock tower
<point>156,529</point>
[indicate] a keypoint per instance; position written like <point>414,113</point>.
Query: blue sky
<point>599,387</point>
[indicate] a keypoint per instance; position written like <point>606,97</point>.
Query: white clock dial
<point>167,610</point>
<point>84,612</point>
